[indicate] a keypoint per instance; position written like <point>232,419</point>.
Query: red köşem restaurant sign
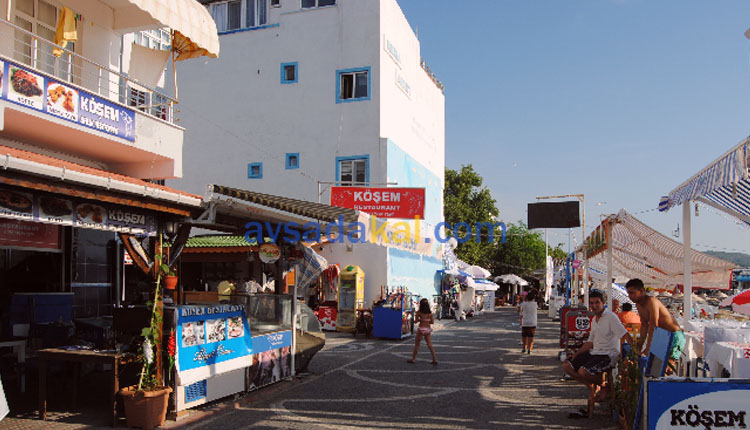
<point>381,202</point>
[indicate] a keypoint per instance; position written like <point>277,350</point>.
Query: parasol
<point>511,279</point>
<point>477,272</point>
<point>740,302</point>
<point>309,267</point>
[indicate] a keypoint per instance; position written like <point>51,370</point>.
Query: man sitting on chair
<point>599,354</point>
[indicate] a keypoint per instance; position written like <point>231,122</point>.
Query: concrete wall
<point>371,258</point>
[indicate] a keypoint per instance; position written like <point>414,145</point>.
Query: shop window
<point>353,170</point>
<point>292,160</point>
<point>353,85</point>
<point>289,73</point>
<point>255,171</point>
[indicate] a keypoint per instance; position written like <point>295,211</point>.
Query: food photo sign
<point>211,340</point>
<point>36,91</point>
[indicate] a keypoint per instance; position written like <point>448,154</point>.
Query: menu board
<point>211,340</point>
<point>25,87</point>
<point>51,209</point>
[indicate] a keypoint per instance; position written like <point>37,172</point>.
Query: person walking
<point>528,311</point>
<point>425,319</point>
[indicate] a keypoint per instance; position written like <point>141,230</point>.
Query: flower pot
<point>170,282</point>
<point>145,409</point>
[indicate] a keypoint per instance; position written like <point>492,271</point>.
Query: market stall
<point>393,314</point>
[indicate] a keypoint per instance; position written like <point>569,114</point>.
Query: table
<point>19,347</point>
<point>692,353</point>
<point>727,355</point>
<point>80,356</point>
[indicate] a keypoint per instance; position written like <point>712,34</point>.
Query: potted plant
<point>146,404</point>
<point>170,276</point>
<point>624,397</point>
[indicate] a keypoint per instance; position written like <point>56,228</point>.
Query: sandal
<point>411,361</point>
<point>434,363</point>
<point>578,415</point>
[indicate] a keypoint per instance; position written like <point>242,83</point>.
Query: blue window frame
<point>292,160</point>
<point>255,171</point>
<point>353,85</point>
<point>289,73</point>
<point>353,170</point>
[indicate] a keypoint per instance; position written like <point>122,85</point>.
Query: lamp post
<point>584,267</point>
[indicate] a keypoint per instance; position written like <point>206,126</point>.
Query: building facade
<point>314,93</point>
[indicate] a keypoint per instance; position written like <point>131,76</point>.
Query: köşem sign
<point>407,203</point>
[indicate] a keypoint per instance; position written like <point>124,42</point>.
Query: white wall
<point>371,258</point>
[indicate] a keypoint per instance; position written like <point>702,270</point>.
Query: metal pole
<point>687,284</point>
<point>584,266</point>
<point>609,263</point>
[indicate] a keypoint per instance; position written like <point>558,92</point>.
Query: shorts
<point>594,364</point>
<point>528,331</point>
<point>425,330</point>
<point>678,344</point>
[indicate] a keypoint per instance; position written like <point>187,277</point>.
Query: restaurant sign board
<point>382,202</point>
<point>698,403</point>
<point>61,210</point>
<point>23,86</point>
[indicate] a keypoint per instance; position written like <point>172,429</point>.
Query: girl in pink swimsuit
<point>425,320</point>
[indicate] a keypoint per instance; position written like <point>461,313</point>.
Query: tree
<point>522,252</point>
<point>466,201</point>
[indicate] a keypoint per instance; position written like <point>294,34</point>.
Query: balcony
<point>75,106</point>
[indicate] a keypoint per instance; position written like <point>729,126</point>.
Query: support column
<point>610,270</point>
<point>687,277</point>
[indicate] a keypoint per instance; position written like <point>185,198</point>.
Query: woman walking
<point>425,320</point>
<point>528,321</point>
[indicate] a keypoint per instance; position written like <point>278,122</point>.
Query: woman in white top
<point>528,321</point>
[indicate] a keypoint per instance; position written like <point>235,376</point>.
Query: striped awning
<point>195,32</point>
<point>642,252</point>
<point>312,210</point>
<point>723,184</point>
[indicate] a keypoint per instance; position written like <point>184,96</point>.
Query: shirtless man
<point>654,314</point>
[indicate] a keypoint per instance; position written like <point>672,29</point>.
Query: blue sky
<point>621,100</point>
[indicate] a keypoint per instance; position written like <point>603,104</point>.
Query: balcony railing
<point>37,53</point>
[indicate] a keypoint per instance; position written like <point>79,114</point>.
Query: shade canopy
<point>485,285</point>
<point>195,32</point>
<point>723,185</point>
<point>642,252</point>
<point>478,272</point>
<point>511,279</point>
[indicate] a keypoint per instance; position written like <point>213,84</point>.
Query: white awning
<point>195,30</point>
<point>642,252</point>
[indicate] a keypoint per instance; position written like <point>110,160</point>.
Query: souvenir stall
<point>486,291</point>
<point>393,314</point>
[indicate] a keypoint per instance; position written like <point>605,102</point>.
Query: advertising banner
<point>20,85</point>
<point>49,209</point>
<point>703,403</point>
<point>381,202</point>
<point>211,340</point>
<point>24,234</point>
<point>273,360</point>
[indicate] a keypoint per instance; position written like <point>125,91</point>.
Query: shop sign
<point>271,341</point>
<point>38,92</point>
<point>382,202</point>
<point>597,241</point>
<point>702,404</point>
<point>211,340</point>
<point>269,253</point>
<point>51,209</point>
<point>29,234</point>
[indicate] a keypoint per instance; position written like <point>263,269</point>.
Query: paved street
<point>482,382</point>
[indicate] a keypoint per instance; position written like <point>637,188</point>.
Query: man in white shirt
<point>600,353</point>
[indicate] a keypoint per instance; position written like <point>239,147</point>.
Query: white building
<point>311,91</point>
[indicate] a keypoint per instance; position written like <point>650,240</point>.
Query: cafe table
<point>78,357</point>
<point>728,356</point>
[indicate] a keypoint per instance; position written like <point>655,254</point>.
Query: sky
<point>618,100</point>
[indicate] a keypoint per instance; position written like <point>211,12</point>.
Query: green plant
<point>166,270</point>
<point>627,388</point>
<point>149,353</point>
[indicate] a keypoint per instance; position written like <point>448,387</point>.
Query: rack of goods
<point>351,297</point>
<point>393,314</point>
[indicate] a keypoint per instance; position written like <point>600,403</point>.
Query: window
<point>154,39</point>
<point>353,170</point>
<point>288,73</point>
<point>307,4</point>
<point>292,160</point>
<point>275,3</point>
<point>353,85</point>
<point>255,171</point>
<point>238,14</point>
<point>40,18</point>
<point>138,99</point>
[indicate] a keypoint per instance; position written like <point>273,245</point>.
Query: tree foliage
<point>467,201</point>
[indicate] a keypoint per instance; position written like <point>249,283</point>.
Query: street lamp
<point>581,198</point>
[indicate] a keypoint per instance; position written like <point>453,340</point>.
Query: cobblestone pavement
<point>482,382</point>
